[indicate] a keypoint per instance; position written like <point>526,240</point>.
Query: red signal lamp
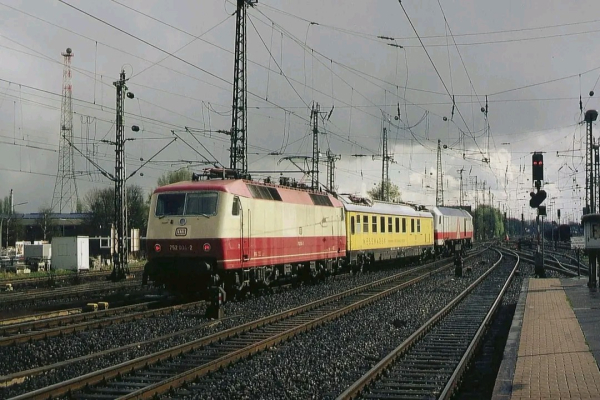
<point>157,248</point>
<point>206,247</point>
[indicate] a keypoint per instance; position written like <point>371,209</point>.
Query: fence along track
<point>430,362</point>
<point>228,346</point>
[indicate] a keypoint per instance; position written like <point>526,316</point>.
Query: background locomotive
<point>244,234</point>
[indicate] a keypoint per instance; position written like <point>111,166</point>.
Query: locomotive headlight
<point>157,248</point>
<point>206,247</point>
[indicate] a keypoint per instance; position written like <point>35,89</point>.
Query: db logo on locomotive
<point>180,231</point>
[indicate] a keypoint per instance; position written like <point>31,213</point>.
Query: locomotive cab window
<point>357,223</point>
<point>235,210</point>
<point>170,204</point>
<point>199,203</point>
<point>352,225</point>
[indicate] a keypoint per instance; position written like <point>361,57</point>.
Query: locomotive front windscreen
<point>199,203</point>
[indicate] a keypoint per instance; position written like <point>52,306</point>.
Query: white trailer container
<point>71,253</point>
<point>37,256</point>
<point>38,251</point>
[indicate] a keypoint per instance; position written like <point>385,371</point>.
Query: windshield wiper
<point>161,216</point>
<point>205,215</point>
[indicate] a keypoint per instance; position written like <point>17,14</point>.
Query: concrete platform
<point>553,347</point>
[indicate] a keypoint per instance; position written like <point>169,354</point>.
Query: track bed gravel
<point>44,352</point>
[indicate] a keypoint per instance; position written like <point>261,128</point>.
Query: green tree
<point>5,206</point>
<point>79,206</point>
<point>392,189</point>
<point>100,203</point>
<point>488,222</point>
<point>175,176</point>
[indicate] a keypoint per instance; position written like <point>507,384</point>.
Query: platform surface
<point>554,360</point>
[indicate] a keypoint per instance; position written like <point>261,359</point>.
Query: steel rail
<point>354,390</point>
<point>93,320</point>
<point>91,275</point>
<point>460,369</point>
<point>108,373</point>
<point>549,264</point>
<point>77,290</point>
<point>21,376</point>
<point>37,317</point>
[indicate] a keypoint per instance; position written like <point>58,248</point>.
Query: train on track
<point>243,234</point>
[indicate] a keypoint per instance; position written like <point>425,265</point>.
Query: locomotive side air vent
<point>321,200</point>
<point>264,192</point>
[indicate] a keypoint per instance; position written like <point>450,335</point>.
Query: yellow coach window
<point>366,224</point>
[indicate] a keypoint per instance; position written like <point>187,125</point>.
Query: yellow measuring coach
<point>377,231</point>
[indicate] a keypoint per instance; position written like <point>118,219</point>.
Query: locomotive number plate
<point>180,247</point>
<point>181,231</point>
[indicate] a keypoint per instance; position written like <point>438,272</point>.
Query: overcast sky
<point>531,59</point>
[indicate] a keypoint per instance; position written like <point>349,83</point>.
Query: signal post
<point>537,198</point>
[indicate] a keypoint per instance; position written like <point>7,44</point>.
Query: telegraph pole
<point>314,115</point>
<point>331,159</point>
<point>385,167</point>
<point>120,265</point>
<point>439,187</point>
<point>590,189</point>
<point>65,188</point>
<point>590,117</point>
<point>238,157</point>
<point>460,171</point>
<point>119,244</point>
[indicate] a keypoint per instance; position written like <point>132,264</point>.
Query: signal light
<point>537,167</point>
<point>157,248</point>
<point>537,198</point>
<point>206,247</point>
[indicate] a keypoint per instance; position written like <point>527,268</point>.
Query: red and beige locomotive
<point>244,234</point>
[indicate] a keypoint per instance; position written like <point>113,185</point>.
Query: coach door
<point>246,230</point>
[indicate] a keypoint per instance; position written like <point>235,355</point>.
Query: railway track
<point>156,373</point>
<point>98,320</point>
<point>551,262</point>
<point>430,363</point>
<point>80,291</point>
<point>11,334</point>
<point>20,282</point>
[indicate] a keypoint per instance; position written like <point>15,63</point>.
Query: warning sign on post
<point>591,231</point>
<point>577,242</point>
